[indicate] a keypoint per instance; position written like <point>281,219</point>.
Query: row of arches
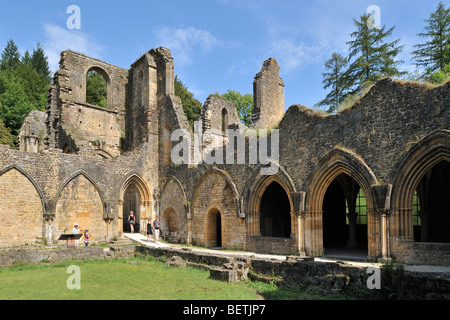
<point>342,209</point>
<point>27,216</point>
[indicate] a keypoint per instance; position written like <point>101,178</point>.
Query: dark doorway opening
<point>131,202</point>
<point>275,211</point>
<point>344,219</point>
<point>213,230</point>
<point>218,230</point>
<point>431,205</point>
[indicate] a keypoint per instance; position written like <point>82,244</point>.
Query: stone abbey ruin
<point>374,177</point>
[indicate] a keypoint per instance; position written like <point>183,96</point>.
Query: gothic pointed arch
<point>174,210</point>
<point>79,200</point>
<point>348,169</point>
<point>216,192</point>
<point>22,208</point>
<point>135,195</point>
<point>412,174</point>
<point>258,182</point>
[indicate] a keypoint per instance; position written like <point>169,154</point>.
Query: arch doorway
<point>131,202</point>
<point>431,205</point>
<point>344,219</point>
<point>213,229</point>
<point>275,211</point>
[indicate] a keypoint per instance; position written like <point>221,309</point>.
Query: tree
<point>10,56</point>
<point>243,103</point>
<point>435,53</point>
<point>191,106</point>
<point>441,76</point>
<point>373,57</point>
<point>40,63</point>
<point>26,59</point>
<point>14,103</point>
<point>334,79</point>
<point>5,135</point>
<point>96,89</point>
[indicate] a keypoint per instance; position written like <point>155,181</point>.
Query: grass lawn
<point>123,279</point>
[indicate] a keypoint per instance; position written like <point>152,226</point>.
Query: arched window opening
<point>275,212</point>
<point>96,88</point>
<point>360,209</point>
<point>224,121</point>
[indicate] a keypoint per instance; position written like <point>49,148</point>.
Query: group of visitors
<point>153,227</point>
<point>76,230</point>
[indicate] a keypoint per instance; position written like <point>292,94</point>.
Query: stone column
<point>189,223</point>
<point>384,214</point>
<point>49,228</point>
<point>301,233</point>
<point>382,210</point>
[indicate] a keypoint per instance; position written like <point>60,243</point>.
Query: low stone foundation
<point>10,257</point>
<point>323,277</point>
<point>427,253</point>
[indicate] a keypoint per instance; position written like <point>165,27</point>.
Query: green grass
<point>124,279</point>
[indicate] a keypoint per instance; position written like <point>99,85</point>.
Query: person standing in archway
<point>131,221</point>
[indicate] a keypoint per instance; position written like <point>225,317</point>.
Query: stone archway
<point>415,174</point>
<point>134,196</point>
<point>344,218</point>
<point>332,166</point>
<point>21,208</point>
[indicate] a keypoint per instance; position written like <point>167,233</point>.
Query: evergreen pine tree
<point>435,53</point>
<point>10,56</point>
<point>40,62</point>
<point>371,56</point>
<point>334,78</point>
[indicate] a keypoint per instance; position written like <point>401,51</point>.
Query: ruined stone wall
<point>76,126</point>
<point>268,95</point>
<point>215,194</point>
<point>21,209</point>
<point>368,141</point>
<point>174,219</point>
<point>47,192</point>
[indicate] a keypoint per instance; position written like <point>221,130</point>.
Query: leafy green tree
<point>371,56</point>
<point>334,78</point>
<point>434,54</point>
<point>96,91</point>
<point>14,103</point>
<point>191,106</point>
<point>34,85</point>
<point>5,135</point>
<point>10,56</point>
<point>244,104</point>
<point>441,76</point>
<point>39,62</point>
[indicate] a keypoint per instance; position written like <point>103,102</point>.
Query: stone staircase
<point>122,247</point>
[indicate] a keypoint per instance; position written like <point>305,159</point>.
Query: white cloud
<point>184,42</point>
<point>292,55</point>
<point>59,39</point>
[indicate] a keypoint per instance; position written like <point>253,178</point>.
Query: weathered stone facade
<point>93,165</point>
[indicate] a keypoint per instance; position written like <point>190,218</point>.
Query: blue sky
<point>216,44</point>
